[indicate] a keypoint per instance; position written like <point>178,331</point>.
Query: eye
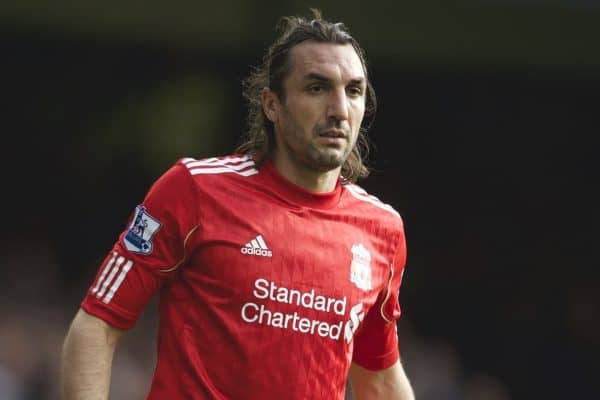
<point>355,91</point>
<point>316,88</point>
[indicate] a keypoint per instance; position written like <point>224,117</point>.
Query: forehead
<point>335,61</point>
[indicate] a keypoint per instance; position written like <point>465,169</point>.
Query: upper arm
<point>87,357</point>
<point>87,325</point>
<point>389,383</point>
<point>148,251</point>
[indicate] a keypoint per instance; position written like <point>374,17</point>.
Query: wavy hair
<point>259,139</point>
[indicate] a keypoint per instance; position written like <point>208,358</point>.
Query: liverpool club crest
<point>360,268</point>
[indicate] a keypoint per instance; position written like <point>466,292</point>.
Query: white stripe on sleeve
<point>115,286</point>
<point>104,272</point>
<point>110,276</point>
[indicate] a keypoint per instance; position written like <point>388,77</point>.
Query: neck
<point>304,176</point>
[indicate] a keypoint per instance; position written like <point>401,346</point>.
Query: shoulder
<point>188,176</point>
<point>370,204</point>
<point>235,165</point>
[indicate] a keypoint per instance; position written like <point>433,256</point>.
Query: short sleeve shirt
<point>266,290</point>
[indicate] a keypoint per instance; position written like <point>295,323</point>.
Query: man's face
<point>317,122</point>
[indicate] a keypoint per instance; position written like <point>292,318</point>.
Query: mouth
<point>333,134</point>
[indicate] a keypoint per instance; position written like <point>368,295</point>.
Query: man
<point>278,278</point>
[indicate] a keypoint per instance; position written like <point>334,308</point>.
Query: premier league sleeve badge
<point>138,238</point>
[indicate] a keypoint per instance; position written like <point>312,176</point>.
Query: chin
<point>327,162</point>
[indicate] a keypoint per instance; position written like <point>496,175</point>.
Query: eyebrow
<point>323,78</point>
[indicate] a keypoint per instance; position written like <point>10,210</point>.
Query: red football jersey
<point>266,290</point>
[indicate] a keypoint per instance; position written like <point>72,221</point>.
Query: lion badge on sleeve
<point>138,238</point>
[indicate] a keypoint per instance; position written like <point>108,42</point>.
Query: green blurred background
<point>485,141</point>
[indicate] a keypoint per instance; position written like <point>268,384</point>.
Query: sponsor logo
<point>360,267</point>
<point>356,316</point>
<point>328,322</point>
<point>138,238</point>
<point>257,247</point>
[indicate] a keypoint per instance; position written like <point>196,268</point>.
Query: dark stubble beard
<point>308,154</point>
<point>323,160</point>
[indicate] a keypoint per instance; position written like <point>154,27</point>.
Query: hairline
<point>288,65</point>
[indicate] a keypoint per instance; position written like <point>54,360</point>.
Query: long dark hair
<point>259,139</point>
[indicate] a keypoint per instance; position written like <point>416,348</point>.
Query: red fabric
<point>376,343</point>
<point>274,292</point>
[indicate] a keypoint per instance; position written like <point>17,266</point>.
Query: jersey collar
<point>296,194</point>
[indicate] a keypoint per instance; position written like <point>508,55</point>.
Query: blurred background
<point>485,141</point>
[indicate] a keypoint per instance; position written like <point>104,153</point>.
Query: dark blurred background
<point>485,141</point>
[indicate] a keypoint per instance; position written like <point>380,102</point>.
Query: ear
<point>270,104</point>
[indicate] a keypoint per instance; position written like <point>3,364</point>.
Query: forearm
<point>390,384</point>
<point>398,386</point>
<point>87,357</point>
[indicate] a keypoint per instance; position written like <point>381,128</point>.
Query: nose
<point>338,105</point>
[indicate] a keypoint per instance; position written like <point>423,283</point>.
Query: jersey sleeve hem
<point>378,363</point>
<point>118,319</point>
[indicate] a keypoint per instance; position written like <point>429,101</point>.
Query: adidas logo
<point>257,247</point>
